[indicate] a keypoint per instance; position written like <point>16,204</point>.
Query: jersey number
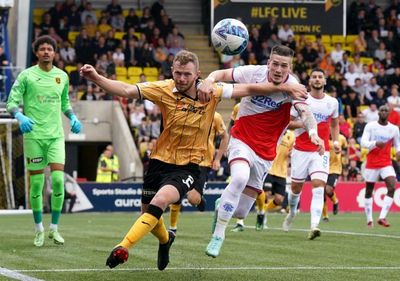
<point>189,181</point>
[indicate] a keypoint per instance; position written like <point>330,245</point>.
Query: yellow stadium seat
<point>70,68</point>
<point>366,60</point>
<point>98,14</point>
<point>37,15</point>
<point>139,13</point>
<point>134,71</point>
<point>310,38</point>
<point>122,78</point>
<point>337,39</point>
<point>119,35</point>
<point>72,36</point>
<point>137,34</point>
<point>151,78</point>
<point>121,71</point>
<point>363,107</point>
<point>326,39</point>
<point>348,48</point>
<point>134,79</point>
<point>79,95</point>
<point>150,71</point>
<point>125,13</point>
<point>351,38</point>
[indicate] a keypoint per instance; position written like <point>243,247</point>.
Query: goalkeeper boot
<point>39,239</point>
<point>56,236</point>
<point>118,256</point>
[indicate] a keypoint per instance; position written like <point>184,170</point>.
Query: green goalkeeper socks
<point>35,195</point>
<point>57,196</point>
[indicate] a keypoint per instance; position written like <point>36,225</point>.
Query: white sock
<point>293,201</point>
<point>39,227</point>
<point>54,227</point>
<point>245,204</point>
<point>387,203</point>
<point>368,208</point>
<point>317,203</point>
<point>240,221</point>
<point>240,173</point>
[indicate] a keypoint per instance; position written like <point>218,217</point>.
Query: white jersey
<point>323,110</point>
<point>261,120</point>
<point>373,132</point>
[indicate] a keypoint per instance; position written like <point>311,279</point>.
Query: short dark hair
<point>317,69</point>
<point>282,50</point>
<point>45,39</point>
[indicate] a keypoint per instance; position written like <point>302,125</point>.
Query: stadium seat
<point>72,36</point>
<point>70,68</point>
<point>310,38</point>
<point>139,13</point>
<point>150,71</point>
<point>134,71</point>
<point>37,15</point>
<point>326,39</point>
<point>366,60</point>
<point>119,35</point>
<point>350,39</point>
<point>151,78</point>
<point>134,79</point>
<point>337,39</point>
<point>125,12</point>
<point>363,107</point>
<point>122,78</point>
<point>121,71</point>
<point>137,34</point>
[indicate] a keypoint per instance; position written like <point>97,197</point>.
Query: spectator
<point>118,22</point>
<point>175,42</point>
<point>156,9</point>
<point>268,28</point>
<point>166,66</point>
<point>344,63</point>
<point>366,75</point>
<point>310,55</point>
<point>371,113</point>
<point>114,8</point>
<point>394,79</point>
<point>74,18</point>
<point>344,127</point>
<point>118,57</point>
<point>104,27</point>
<point>354,171</point>
<point>67,53</point>
<point>359,88</point>
<point>89,93</point>
<point>88,11</point>
<point>132,20</point>
<point>353,150</point>
<point>380,52</point>
<point>379,98</point>
<point>382,79</point>
<point>389,63</point>
<point>360,44</point>
<point>352,105</point>
<point>358,127</point>
<point>108,166</point>
<point>144,20</point>
<point>284,32</point>
<point>166,25</point>
<point>83,47</point>
<point>351,75</point>
<point>394,99</point>
<point>373,42</point>
<point>131,53</point>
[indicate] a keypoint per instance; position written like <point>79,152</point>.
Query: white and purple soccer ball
<point>230,36</point>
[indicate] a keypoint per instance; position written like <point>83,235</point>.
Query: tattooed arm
<point>310,124</point>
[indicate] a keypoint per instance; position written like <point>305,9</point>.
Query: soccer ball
<point>230,36</point>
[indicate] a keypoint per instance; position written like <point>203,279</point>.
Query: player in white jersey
<point>379,137</point>
<point>260,125</point>
<point>307,158</point>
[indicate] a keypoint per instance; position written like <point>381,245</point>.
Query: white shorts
<point>259,167</point>
<point>306,163</point>
<point>372,175</point>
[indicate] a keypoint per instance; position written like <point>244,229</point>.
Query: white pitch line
<point>14,274</point>
<point>219,268</point>
<point>334,232</point>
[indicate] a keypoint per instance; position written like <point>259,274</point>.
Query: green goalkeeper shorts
<point>39,153</point>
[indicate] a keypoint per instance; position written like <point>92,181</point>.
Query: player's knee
<point>57,178</point>
<point>194,197</point>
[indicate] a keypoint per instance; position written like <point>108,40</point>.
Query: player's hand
<point>25,123</point>
<point>205,90</point>
<point>336,147</point>
<point>88,72</point>
<point>315,139</point>
<point>76,125</point>
<point>216,165</point>
<point>296,91</point>
<point>380,144</point>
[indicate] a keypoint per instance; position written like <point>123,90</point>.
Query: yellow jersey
<point>218,128</point>
<point>186,122</point>
<point>280,165</point>
<point>335,159</point>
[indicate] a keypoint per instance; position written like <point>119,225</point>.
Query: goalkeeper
<point>43,90</point>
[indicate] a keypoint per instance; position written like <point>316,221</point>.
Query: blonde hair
<point>184,57</point>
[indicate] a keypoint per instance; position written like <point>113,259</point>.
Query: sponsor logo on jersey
<point>190,108</point>
<point>58,80</point>
<point>319,117</point>
<point>34,160</point>
<point>266,102</point>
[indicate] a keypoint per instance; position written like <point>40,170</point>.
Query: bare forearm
<point>223,75</point>
<point>261,89</point>
<point>307,117</point>
<point>117,88</point>
<point>335,129</point>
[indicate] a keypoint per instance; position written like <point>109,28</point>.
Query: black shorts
<point>182,177</point>
<point>332,180</point>
<point>276,185</point>
<point>201,183</point>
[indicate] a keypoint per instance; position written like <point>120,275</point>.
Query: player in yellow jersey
<point>335,170</point>
<point>211,161</point>
<point>174,162</point>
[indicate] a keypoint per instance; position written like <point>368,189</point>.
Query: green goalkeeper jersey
<point>45,97</point>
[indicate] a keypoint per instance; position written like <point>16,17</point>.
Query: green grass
<point>347,250</point>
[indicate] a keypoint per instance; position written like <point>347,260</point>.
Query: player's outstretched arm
<point>113,87</point>
<point>310,125</point>
<point>206,87</point>
<point>296,91</point>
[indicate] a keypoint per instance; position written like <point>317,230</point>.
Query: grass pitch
<point>347,250</point>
